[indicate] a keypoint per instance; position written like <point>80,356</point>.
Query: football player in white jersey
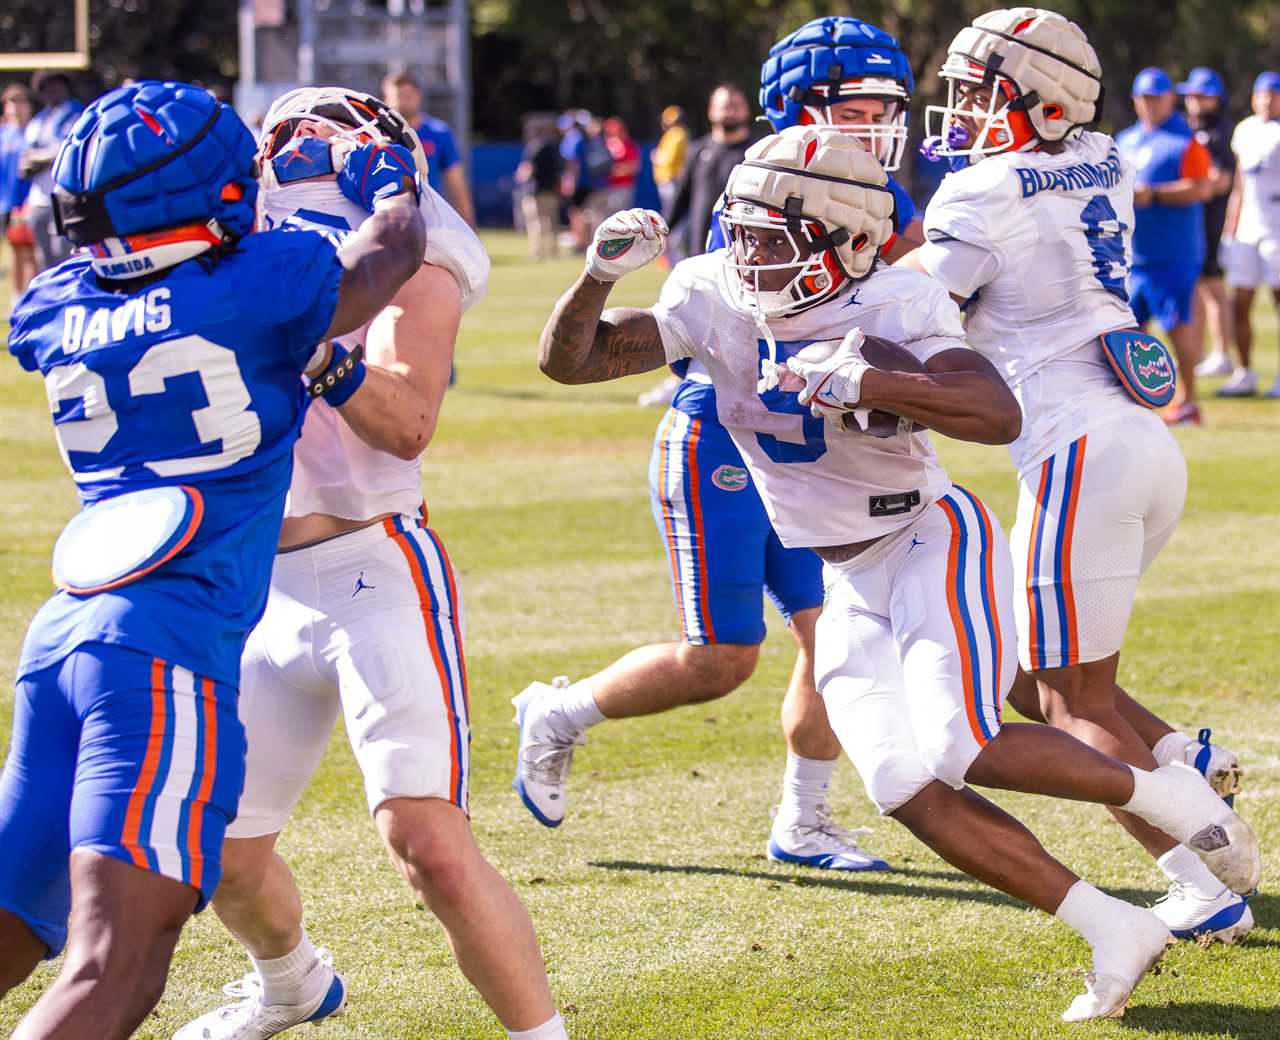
<point>1033,233</point>
<point>1250,247</point>
<point>364,618</point>
<point>915,648</point>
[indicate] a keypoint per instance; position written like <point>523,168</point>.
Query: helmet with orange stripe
<point>1016,79</point>
<point>346,118</point>
<point>153,174</point>
<point>805,214</point>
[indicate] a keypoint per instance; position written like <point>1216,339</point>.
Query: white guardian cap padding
<point>828,194</point>
<point>1047,59</point>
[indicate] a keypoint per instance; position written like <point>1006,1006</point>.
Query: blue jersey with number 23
<point>192,380</point>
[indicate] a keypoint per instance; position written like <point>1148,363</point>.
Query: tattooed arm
<point>580,344</point>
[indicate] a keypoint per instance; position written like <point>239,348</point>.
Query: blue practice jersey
<point>191,380</point>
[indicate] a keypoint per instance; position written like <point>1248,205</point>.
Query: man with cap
<point>1251,234</point>
<point>1172,170</point>
<point>1204,99</point>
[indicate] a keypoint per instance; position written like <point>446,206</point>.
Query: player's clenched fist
<point>833,384</point>
<point>375,172</point>
<point>625,242</point>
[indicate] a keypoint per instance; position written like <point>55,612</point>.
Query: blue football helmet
<point>831,60</point>
<point>153,174</point>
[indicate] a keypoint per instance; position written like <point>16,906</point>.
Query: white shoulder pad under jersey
<point>1057,228</point>
<point>451,244</point>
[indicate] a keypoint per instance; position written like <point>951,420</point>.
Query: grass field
<point>658,913</point>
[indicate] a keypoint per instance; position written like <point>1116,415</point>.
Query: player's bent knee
<point>895,779</point>
<point>245,863</point>
<point>431,844</point>
<point>717,669</point>
<point>950,759</point>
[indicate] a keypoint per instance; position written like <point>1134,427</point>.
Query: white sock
<point>1182,865</point>
<point>804,788</point>
<point>291,979</point>
<point>1170,748</point>
<point>577,706</point>
<point>1104,922</point>
<point>551,1029</point>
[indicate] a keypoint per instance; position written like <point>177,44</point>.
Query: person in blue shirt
<point>724,554</point>
<point>446,173</point>
<point>177,395</point>
<point>44,134</point>
<point>1168,237</point>
<point>16,106</point>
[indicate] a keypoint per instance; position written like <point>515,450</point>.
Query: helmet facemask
<point>886,138</point>
<point>1001,125</point>
<point>779,263</point>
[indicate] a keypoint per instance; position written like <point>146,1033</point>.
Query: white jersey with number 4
<point>821,484</point>
<point>334,471</point>
<point>1041,244</point>
<point>1256,143</point>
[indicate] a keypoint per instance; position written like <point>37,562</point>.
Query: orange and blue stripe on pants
<point>1053,630</point>
<point>428,563</point>
<point>973,604</point>
<point>122,753</point>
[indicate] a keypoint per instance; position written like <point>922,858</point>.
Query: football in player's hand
<point>887,356</point>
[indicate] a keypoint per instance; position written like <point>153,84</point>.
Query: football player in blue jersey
<point>175,381</point>
<point>723,552</point>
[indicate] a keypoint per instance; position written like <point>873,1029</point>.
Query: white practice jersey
<point>821,484</point>
<point>1256,143</point>
<point>1043,242</point>
<point>334,471</point>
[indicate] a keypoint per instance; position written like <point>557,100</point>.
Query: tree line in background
<point>633,57</point>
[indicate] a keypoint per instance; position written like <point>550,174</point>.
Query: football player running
<point>723,552</point>
<point>364,619</point>
<point>914,646</point>
<point>177,395</point>
<point>1032,229</point>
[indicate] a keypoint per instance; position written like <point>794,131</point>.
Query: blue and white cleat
<point>545,753</point>
<point>250,1019</point>
<point>1217,765</point>
<point>1225,917</point>
<point>821,844</point>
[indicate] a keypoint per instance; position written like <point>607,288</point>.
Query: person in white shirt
<point>364,618</point>
<point>1033,233</point>
<point>915,648</point>
<point>1251,236</point>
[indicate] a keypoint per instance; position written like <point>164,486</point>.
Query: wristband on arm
<point>344,376</point>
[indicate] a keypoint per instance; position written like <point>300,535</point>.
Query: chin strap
<point>769,367</point>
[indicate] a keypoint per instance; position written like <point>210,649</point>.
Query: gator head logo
<point>612,248</point>
<point>1149,363</point>
<point>730,478</point>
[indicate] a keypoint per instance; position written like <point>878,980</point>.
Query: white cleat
<point>1216,364</point>
<point>821,843</point>
<point>1225,917</point>
<point>545,753</point>
<point>1216,764</point>
<point>1243,383</point>
<point>1107,992</point>
<point>250,1019</point>
<point>1202,821</point>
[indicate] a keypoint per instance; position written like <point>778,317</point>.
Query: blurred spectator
<point>1204,96</point>
<point>44,134</point>
<point>669,156</point>
<point>1251,238</point>
<point>624,167</point>
<point>538,177</point>
<point>575,180</point>
<point>710,161</point>
<point>445,172</point>
<point>1168,240</point>
<point>16,107</point>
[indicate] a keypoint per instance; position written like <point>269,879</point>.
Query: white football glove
<point>834,385</point>
<point>625,242</point>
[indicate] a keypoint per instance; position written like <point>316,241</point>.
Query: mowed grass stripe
<point>658,913</point>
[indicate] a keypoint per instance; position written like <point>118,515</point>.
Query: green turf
<point>657,911</point>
